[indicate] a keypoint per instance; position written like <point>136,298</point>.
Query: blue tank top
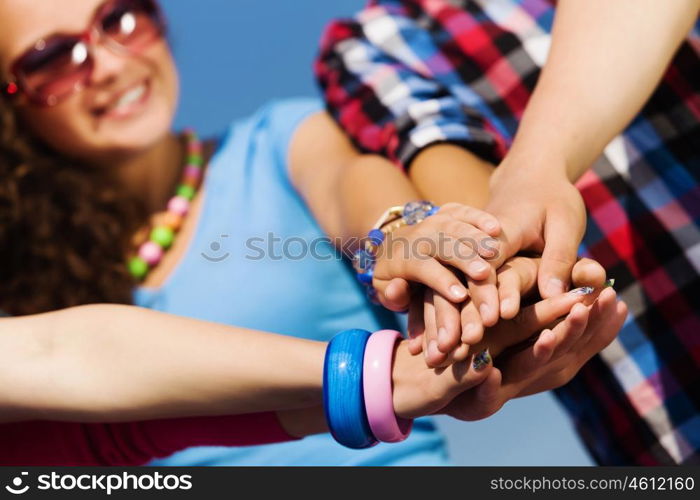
<point>259,260</point>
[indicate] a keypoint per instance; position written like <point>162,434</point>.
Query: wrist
<point>358,389</point>
<point>365,259</point>
<point>542,161</point>
<point>468,175</point>
<point>518,169</point>
<point>410,389</point>
<point>403,379</point>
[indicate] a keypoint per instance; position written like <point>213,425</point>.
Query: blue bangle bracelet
<point>343,396</point>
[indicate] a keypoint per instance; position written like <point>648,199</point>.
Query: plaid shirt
<point>405,74</point>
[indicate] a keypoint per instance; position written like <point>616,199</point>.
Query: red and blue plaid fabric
<point>402,75</point>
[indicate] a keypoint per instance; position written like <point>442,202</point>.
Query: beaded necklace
<point>169,222</point>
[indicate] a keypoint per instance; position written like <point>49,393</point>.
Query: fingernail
<point>491,226</point>
<point>609,283</point>
<point>506,304</point>
<point>478,266</point>
<point>485,310</point>
<point>584,290</point>
<point>547,336</point>
<point>457,291</point>
<point>433,348</point>
<point>481,360</point>
<point>555,286</point>
<point>469,329</point>
<point>442,335</point>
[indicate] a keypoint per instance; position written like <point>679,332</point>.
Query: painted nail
<point>457,291</point>
<point>555,286</point>
<point>481,360</point>
<point>609,283</point>
<point>584,290</point>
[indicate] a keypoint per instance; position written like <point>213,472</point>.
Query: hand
<point>540,213</point>
<point>420,390</point>
<point>544,213</point>
<point>529,371</point>
<point>452,328</point>
<point>457,235</point>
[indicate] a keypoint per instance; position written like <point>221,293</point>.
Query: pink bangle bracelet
<point>378,391</point>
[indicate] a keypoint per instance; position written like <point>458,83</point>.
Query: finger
<point>508,291</point>
<point>397,295</point>
<point>484,294</point>
<point>449,327</point>
<point>479,218</point>
<point>600,331</point>
<point>515,278</point>
<point>433,356</point>
<point>521,367</point>
<point>459,248</point>
<point>568,332</point>
<point>539,315</point>
<point>458,355</point>
<point>559,255</point>
<point>606,318</point>
<point>529,321</point>
<point>601,311</point>
<point>543,348</point>
<point>588,272</point>
<point>489,397</point>
<point>432,274</point>
<point>481,401</point>
<point>462,376</point>
<point>416,326</point>
<point>472,328</point>
<point>479,242</point>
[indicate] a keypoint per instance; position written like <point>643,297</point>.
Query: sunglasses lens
<point>132,23</point>
<point>56,67</point>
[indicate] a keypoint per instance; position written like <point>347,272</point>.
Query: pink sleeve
<point>133,443</point>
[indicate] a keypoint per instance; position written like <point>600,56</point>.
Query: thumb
<point>395,295</point>
<point>562,239</point>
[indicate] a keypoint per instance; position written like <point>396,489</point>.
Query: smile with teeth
<point>128,99</point>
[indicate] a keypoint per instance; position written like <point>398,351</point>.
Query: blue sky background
<point>236,55</point>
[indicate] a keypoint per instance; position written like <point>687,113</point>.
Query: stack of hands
<point>469,304</point>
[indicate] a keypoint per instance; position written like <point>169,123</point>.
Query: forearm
<point>368,186</point>
<point>447,173</point>
<point>346,191</point>
<point>605,60</point>
<point>116,363</point>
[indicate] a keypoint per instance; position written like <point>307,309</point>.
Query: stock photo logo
<point>273,247</point>
<point>16,487</point>
<point>99,483</point>
<point>215,247</point>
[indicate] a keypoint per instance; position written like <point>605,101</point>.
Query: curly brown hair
<point>64,229</point>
